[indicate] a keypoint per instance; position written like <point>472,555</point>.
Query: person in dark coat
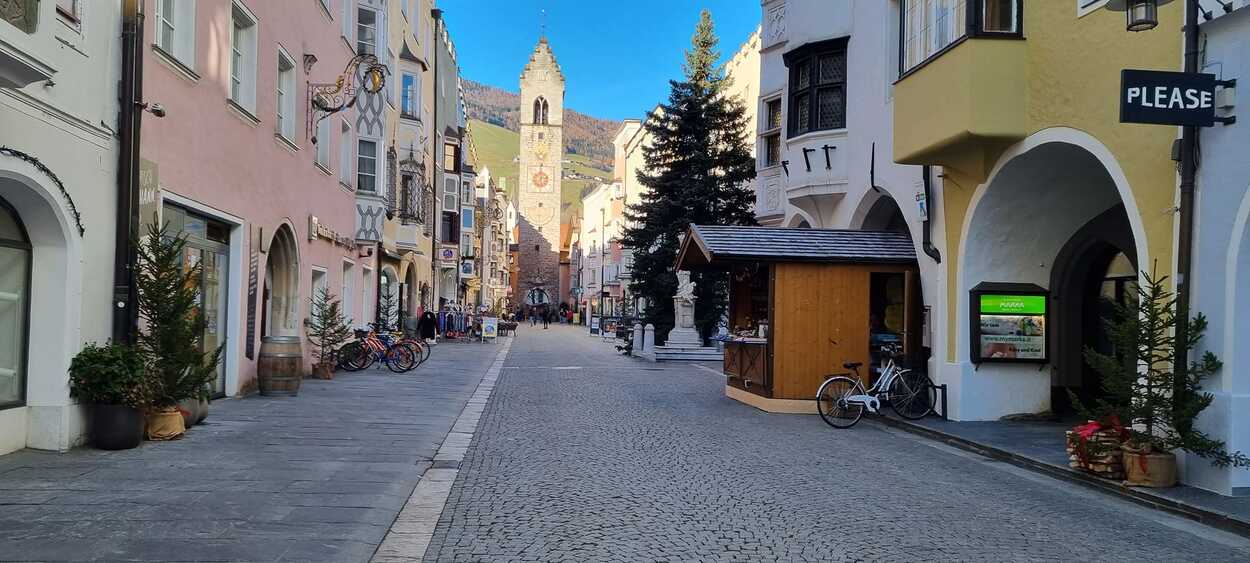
<point>427,325</point>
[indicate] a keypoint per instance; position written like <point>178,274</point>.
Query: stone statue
<point>685,287</point>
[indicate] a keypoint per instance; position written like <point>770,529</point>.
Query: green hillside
<point>497,149</point>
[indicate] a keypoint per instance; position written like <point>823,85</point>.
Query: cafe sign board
<point>1167,98</point>
<point>1009,322</point>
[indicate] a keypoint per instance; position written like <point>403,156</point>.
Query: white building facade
<point>59,64</point>
<point>824,133</point>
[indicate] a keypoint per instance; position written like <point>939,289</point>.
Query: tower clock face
<point>540,179</point>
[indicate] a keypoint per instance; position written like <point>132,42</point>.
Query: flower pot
<point>115,427</point>
<point>323,370</point>
<point>166,424</point>
<point>202,412</point>
<point>187,409</point>
<point>1143,468</point>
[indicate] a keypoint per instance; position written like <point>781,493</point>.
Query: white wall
<point>840,198</point>
<point>1221,264</point>
<point>64,125</point>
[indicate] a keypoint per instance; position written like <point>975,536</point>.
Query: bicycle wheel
<point>832,403</point>
<point>365,357</point>
<point>912,395</point>
<point>350,356</point>
<point>419,348</point>
<point>401,358</point>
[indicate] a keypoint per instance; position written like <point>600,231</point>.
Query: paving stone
<point>619,461</point>
<point>318,477</point>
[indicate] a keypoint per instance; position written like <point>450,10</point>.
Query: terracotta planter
<point>323,370</point>
<point>1148,469</point>
<point>116,427</point>
<point>165,424</point>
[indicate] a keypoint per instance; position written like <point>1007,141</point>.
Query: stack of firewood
<point>1101,455</point>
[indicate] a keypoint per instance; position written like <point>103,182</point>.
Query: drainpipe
<point>436,214</point>
<point>1184,245</point>
<point>926,231</point>
<point>129,121</point>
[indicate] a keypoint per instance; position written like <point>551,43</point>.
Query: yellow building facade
<point>1036,181</point>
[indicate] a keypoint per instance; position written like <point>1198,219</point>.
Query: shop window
<point>15,260</point>
<point>817,87</point>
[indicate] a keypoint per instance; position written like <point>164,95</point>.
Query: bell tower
<point>541,166</point>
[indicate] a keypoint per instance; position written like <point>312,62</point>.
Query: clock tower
<point>541,157</point>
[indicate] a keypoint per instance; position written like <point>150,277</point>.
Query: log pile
<point>1098,454</point>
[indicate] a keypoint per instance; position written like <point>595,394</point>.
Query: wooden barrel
<point>280,367</point>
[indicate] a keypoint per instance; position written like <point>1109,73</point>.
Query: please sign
<point>1167,98</point>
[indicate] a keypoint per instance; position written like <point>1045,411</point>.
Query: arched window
<point>15,256</point>
<point>538,111</point>
<point>544,111</point>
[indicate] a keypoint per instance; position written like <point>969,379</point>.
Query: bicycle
<point>371,347</point>
<point>841,399</point>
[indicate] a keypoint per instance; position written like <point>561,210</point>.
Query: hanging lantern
<point>1141,15</point>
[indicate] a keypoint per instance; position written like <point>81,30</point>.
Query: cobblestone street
<point>586,456</point>
<point>317,477</point>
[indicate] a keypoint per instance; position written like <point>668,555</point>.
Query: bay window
<point>772,133</point>
<point>817,87</point>
<point>366,32</point>
<point>367,166</point>
<point>929,27</point>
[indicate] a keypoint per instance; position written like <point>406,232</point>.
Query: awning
<point>719,246</point>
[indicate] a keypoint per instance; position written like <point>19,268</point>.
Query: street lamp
<point>1142,15</point>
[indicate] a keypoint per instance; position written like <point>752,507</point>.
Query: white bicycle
<point>842,399</point>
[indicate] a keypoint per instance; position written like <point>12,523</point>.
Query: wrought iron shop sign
<point>1169,98</point>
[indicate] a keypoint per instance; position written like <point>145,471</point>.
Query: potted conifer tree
<point>1155,407</point>
<point>172,332</point>
<point>110,380</point>
<point>327,331</point>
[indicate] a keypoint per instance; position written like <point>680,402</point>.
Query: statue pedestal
<point>684,342</point>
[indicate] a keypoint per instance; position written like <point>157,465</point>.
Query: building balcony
<point>962,103</point>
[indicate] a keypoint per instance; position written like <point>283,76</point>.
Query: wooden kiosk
<point>803,301</point>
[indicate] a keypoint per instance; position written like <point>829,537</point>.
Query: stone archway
<point>1055,211</point>
<point>53,323</point>
<point>281,293</point>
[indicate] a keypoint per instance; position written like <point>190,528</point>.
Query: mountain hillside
<point>583,135</point>
<point>496,148</point>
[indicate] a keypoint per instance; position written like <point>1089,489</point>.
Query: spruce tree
<point>698,169</point>
<point>327,328</point>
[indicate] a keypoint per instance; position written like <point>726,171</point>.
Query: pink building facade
<point>268,212</point>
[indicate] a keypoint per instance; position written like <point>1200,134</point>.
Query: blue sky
<point>617,55</point>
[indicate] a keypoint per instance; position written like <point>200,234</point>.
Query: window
<point>323,143</point>
<point>998,16</point>
<point>175,29</point>
<point>367,166</point>
<point>349,292</point>
<point>325,5</point>
<point>450,196</point>
<point>286,96</point>
<point>243,59</point>
<point>15,259</point>
<point>817,87</point>
<point>929,26</point>
<point>366,32</point>
<point>409,96</point>
<point>451,158</point>
<point>772,133</point>
<point>318,284</point>
<point>345,154</point>
<point>449,231</point>
<point>345,18</point>
<point>69,9</point>
<point>540,111</point>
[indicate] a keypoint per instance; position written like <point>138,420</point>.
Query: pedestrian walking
<point>546,320</point>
